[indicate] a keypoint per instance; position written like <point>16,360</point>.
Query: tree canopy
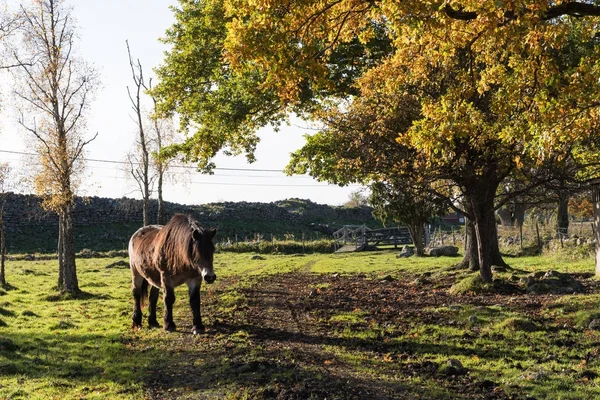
<point>454,92</point>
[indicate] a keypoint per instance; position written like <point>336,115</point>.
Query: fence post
<point>539,241</point>
<point>453,238</point>
<point>303,249</point>
<point>521,235</point>
<point>441,236</point>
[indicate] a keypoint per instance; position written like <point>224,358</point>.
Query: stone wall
<point>25,210</point>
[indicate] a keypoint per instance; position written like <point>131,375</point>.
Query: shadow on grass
<point>63,296</point>
<point>71,360</point>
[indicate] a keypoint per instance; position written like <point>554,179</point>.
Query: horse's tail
<point>144,294</point>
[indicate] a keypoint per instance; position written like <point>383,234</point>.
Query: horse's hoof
<point>198,330</point>
<point>153,324</point>
<point>169,327</point>
<point>135,326</point>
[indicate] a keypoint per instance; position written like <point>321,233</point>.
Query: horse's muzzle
<point>210,278</point>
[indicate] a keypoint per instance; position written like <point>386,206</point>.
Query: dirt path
<point>290,337</point>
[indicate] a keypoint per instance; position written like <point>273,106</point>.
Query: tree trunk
<point>596,225</point>
<point>506,216</point>
<point>2,249</point>
<point>145,207</point>
<point>563,214</point>
<point>161,212</point>
<point>471,258</point>
<point>481,202</point>
<point>519,214</point>
<point>70,283</point>
<point>60,255</point>
<point>417,231</point>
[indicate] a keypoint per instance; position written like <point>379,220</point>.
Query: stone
<point>536,375</point>
<point>454,367</point>
<point>552,274</point>
<point>473,319</point>
<point>594,324</point>
<point>448,251</point>
<point>313,293</point>
<point>257,257</point>
<point>407,251</point>
<point>421,280</point>
<point>387,278</point>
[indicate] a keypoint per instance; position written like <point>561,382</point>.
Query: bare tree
<point>8,25</point>
<point>55,89</point>
<point>141,170</point>
<point>164,134</point>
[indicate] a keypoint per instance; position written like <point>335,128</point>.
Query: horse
<point>165,257</point>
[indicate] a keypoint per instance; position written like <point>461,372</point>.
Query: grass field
<point>313,326</point>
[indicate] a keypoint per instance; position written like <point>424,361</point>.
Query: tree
<point>55,89</point>
<point>139,159</point>
<point>478,89</point>
<point>404,204</point>
<point>164,134</point>
<point>357,198</point>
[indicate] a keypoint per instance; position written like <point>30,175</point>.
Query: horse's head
<point>203,250</point>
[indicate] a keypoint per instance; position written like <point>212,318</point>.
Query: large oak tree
<point>482,88</point>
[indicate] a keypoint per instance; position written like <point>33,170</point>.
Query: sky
<point>103,28</point>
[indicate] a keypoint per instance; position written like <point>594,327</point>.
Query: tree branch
<point>575,9</point>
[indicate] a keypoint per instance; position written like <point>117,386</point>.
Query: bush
<point>279,247</point>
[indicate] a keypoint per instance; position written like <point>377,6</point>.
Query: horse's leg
<point>168,298</point>
<point>194,290</point>
<point>152,322</point>
<point>137,282</point>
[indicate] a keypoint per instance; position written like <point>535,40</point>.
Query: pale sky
<point>103,28</point>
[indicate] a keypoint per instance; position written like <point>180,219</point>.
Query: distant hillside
<point>104,224</point>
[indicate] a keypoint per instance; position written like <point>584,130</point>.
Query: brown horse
<point>165,257</point>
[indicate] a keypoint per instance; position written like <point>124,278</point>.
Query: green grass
<point>52,347</point>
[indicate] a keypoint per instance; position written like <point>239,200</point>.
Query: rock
<point>594,325</point>
<point>528,281</point>
<point>29,257</point>
<point>448,251</point>
<point>538,288</point>
<point>553,274</point>
<point>421,280</point>
<point>336,275</point>
<point>387,278</point>
<point>536,375</point>
<point>313,293</point>
<point>407,251</point>
<point>257,257</point>
<point>455,307</point>
<point>454,367</point>
<point>473,319</point>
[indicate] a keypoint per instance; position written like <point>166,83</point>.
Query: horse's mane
<point>173,243</point>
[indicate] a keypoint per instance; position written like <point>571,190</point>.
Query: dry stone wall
<point>25,210</point>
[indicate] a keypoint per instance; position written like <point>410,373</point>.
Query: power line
<point>239,184</point>
<point>207,182</point>
<point>176,166</point>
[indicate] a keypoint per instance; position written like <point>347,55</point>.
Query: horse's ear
<point>197,235</point>
<point>212,232</point>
